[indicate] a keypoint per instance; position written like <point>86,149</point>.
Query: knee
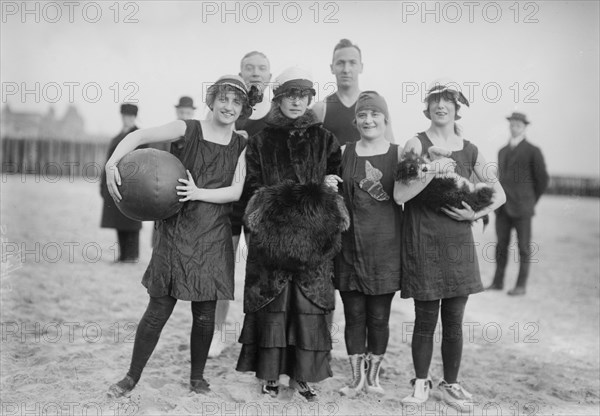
<point>357,320</point>
<point>158,312</point>
<point>452,332</point>
<point>355,315</point>
<point>204,314</point>
<point>378,320</point>
<point>155,318</point>
<point>425,324</point>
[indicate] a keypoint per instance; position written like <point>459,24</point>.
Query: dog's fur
<point>447,188</point>
<point>296,226</point>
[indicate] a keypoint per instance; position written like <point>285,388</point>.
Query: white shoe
<point>456,396</point>
<point>358,365</point>
<point>422,387</point>
<point>373,370</point>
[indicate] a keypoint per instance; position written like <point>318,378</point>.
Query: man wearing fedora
<point>184,110</point>
<point>128,230</point>
<point>523,176</point>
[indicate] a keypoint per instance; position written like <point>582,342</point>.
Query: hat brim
<point>518,119</point>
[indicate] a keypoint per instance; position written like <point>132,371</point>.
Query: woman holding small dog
<point>439,263</point>
<point>368,267</point>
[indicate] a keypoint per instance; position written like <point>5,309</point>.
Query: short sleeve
<point>474,155</point>
<point>192,130</point>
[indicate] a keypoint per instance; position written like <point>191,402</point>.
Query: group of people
<point>393,242</point>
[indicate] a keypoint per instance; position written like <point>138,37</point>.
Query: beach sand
<point>69,315</point>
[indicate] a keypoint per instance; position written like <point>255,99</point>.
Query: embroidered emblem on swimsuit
<point>371,183</point>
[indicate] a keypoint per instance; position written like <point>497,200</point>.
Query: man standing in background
<point>128,230</point>
<point>338,109</point>
<point>523,176</point>
<point>184,110</point>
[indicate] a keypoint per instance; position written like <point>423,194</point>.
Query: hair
<point>250,54</point>
<point>448,96</point>
<point>345,43</point>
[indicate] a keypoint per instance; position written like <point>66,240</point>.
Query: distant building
<point>25,125</point>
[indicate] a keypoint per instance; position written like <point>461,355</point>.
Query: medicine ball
<point>148,181</point>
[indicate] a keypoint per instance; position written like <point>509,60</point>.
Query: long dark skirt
<point>288,336</point>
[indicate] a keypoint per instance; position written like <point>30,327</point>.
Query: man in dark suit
<point>523,176</point>
<point>128,230</point>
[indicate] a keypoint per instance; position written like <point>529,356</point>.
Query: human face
<point>184,113</point>
<point>442,111</point>
<point>293,106</point>
<point>371,124</point>
<point>255,70</point>
<point>227,107</point>
<point>517,127</point>
<point>346,67</point>
<point>128,120</point>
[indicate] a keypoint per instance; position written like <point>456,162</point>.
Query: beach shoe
<point>456,396</point>
<point>422,387</point>
<point>271,387</point>
<point>358,364</point>
<point>200,386</point>
<point>494,287</point>
<point>122,388</point>
<point>373,374</point>
<point>517,291</point>
<point>304,389</point>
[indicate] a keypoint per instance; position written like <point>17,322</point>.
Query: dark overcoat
<point>523,176</point>
<point>111,215</point>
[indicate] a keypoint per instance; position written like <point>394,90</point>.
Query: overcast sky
<point>539,57</point>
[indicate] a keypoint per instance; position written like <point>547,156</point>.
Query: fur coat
<point>290,153</point>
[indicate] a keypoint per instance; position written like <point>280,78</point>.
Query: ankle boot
<point>374,362</point>
<point>420,394</point>
<point>358,366</point>
<point>304,389</point>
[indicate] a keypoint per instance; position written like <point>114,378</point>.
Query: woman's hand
<point>113,180</point>
<point>190,191</point>
<point>458,214</point>
<point>332,181</point>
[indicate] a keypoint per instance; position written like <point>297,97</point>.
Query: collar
<point>514,141</point>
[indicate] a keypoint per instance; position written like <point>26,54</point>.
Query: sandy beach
<point>69,315</point>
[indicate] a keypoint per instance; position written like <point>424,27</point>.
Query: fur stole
<point>296,227</point>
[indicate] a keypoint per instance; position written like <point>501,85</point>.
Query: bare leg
<point>221,311</point>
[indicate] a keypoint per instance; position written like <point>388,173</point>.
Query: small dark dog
<point>447,189</point>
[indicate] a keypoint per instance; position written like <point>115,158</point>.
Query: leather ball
<point>148,181</point>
